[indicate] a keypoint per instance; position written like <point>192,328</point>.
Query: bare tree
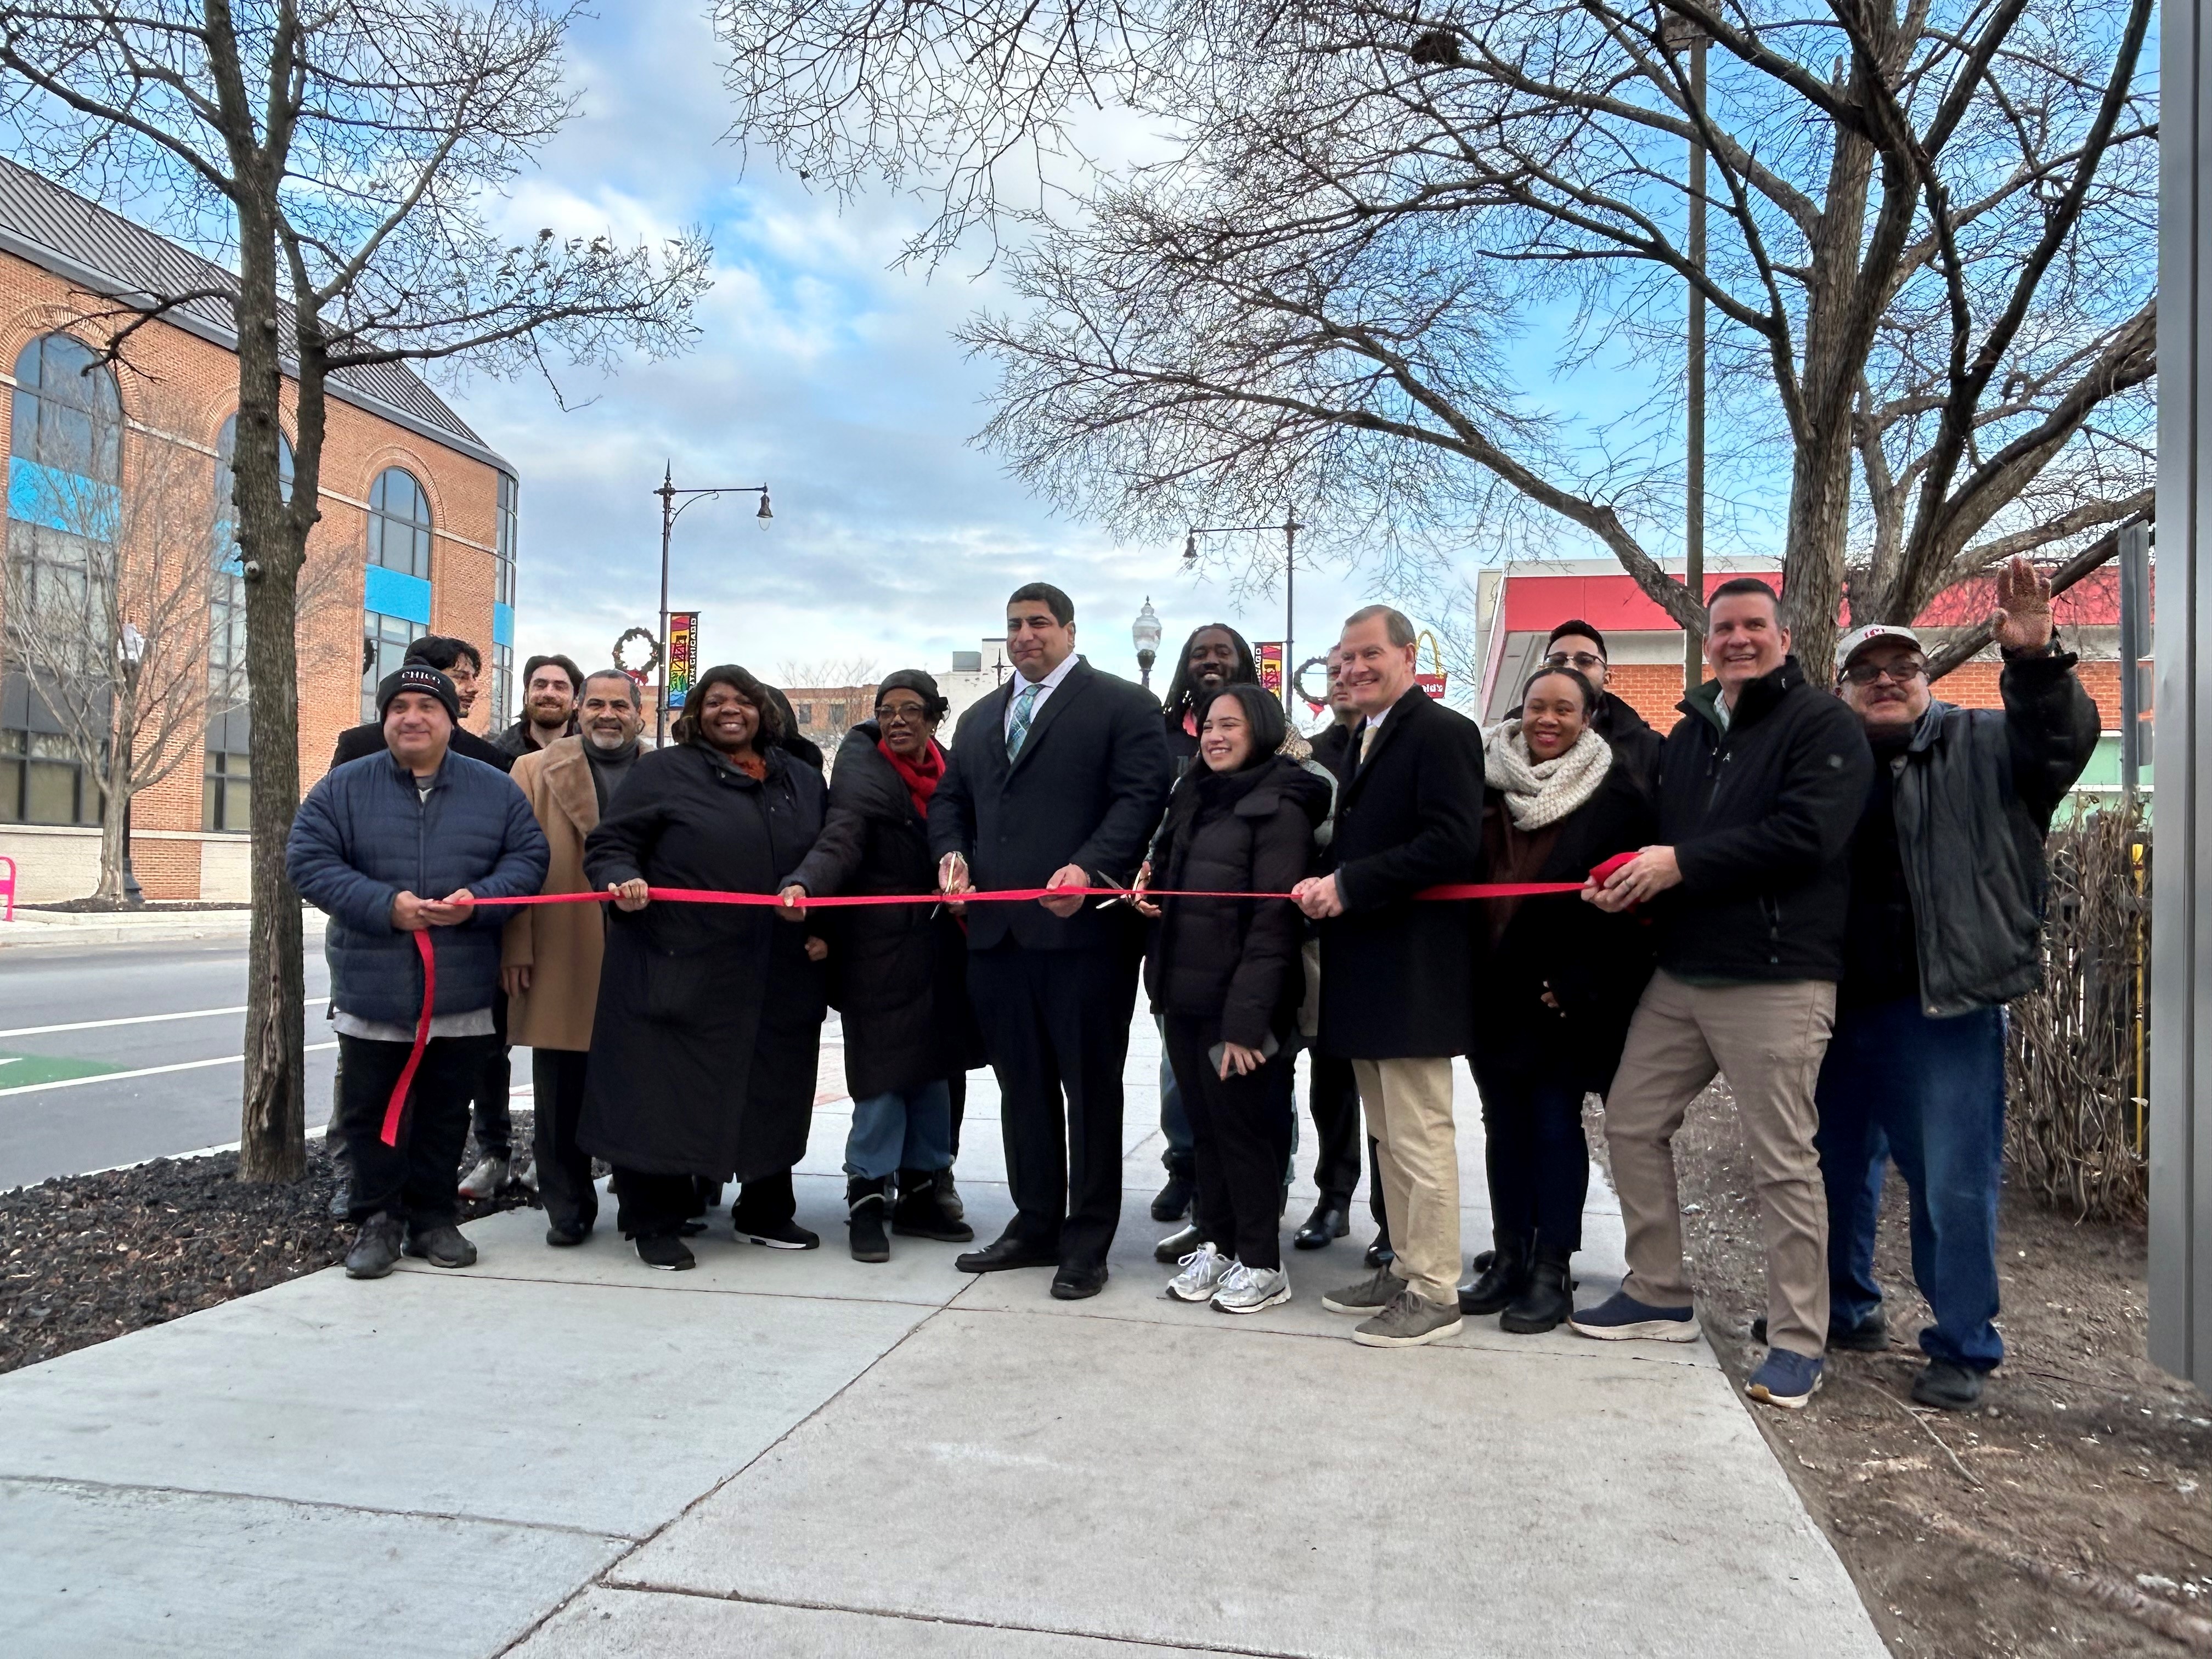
<point>342,161</point>
<point>1932,260</point>
<point>826,672</point>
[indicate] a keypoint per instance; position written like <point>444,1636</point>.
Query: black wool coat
<point>1397,973</point>
<point>1235,960</point>
<point>708,1026</point>
<point>1635,744</point>
<point>1087,789</point>
<point>898,974</point>
<point>1595,965</point>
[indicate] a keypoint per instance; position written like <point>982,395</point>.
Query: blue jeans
<point>1930,1093</point>
<point>905,1129</point>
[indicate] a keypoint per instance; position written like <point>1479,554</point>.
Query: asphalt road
<point>90,1097</point>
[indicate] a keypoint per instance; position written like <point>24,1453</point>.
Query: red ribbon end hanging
<point>398,1101</point>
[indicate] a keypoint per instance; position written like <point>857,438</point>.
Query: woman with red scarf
<point>899,971</point>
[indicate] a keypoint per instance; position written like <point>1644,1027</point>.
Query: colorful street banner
<point>1269,655</point>
<point>682,655</point>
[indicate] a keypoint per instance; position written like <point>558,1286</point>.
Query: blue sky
<point>822,371</point>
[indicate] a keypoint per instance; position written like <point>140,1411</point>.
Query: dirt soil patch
<point>2071,1513</point>
<point>83,1258</point>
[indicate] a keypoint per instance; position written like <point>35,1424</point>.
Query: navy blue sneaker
<point>1785,1379</point>
<point>1621,1318</point>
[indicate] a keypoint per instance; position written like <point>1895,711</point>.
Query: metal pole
<point>1693,528</point>
<point>2135,611</point>
<point>667,494</point>
<point>1290,576</point>
<point>133,895</point>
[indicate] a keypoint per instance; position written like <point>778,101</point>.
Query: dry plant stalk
<point>2072,1129</point>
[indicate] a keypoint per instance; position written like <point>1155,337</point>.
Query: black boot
<point>865,1202</point>
<point>1546,1300</point>
<point>1174,1202</point>
<point>919,1212</point>
<point>1505,1277</point>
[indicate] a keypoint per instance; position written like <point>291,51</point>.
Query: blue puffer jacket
<point>364,835</point>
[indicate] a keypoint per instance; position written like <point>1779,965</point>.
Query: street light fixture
<point>1289,531</point>
<point>669,513</point>
<point>130,646</point>
<point>1145,634</point>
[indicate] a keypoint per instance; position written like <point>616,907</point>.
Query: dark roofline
<point>459,438</point>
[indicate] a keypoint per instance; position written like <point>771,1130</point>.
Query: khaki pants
<point>1767,1040</point>
<point>1408,1104</point>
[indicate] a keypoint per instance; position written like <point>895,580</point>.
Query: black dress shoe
<point>1379,1253</point>
<point>563,1234</point>
<point>1173,1203</point>
<point>1327,1224</point>
<point>1944,1385</point>
<point>1177,1244</point>
<point>1499,1282</point>
<point>1003,1252</point>
<point>1073,1284</point>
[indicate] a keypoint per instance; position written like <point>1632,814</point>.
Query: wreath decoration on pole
<point>652,653</point>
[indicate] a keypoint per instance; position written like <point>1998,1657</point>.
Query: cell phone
<point>1269,1048</point>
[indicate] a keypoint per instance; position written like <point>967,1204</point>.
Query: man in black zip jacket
<point>1948,880</point>
<point>1760,784</point>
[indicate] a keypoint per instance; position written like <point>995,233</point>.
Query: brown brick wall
<point>183,387</point>
<point>1653,689</point>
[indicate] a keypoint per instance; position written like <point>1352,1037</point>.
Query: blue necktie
<point>1024,707</point>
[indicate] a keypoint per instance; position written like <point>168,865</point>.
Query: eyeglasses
<point>1583,660</point>
<point>896,712</point>
<point>1901,673</point>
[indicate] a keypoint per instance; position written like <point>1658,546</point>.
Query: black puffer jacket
<point>1635,744</point>
<point>898,974</point>
<point>1973,794</point>
<point>1759,812</point>
<point>1234,959</point>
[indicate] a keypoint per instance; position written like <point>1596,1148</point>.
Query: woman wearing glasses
<point>1557,983</point>
<point>899,971</point>
<point>1575,644</point>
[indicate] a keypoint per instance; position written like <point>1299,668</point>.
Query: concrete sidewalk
<point>85,929</point>
<point>559,1454</point>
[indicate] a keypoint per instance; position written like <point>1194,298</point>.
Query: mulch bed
<point>84,1258</point>
<point>2070,1513</point>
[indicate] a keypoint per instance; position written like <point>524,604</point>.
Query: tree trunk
<point>1813,554</point>
<point>272,1126</point>
<point>115,789</point>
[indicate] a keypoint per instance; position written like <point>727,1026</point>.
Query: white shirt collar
<point>1050,682</point>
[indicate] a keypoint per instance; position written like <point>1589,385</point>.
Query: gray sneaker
<point>1370,1295</point>
<point>1247,1290</point>
<point>441,1245</point>
<point>1410,1320</point>
<point>377,1248</point>
<point>486,1178</point>
<point>1203,1270</point>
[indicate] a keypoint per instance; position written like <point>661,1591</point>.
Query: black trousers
<point>1240,1140</point>
<point>957,1085</point>
<point>489,1111</point>
<point>1333,1102</point>
<point>415,1179</point>
<point>565,1170</point>
<point>650,1206</point>
<point>1535,1153</point>
<point>1056,1024</point>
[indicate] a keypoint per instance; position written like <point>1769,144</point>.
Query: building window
<point>503,578</point>
<point>383,642</point>
<point>40,782</point>
<point>502,685</point>
<point>226,591</point>
<point>67,415</point>
<point>226,794</point>
<point>399,524</point>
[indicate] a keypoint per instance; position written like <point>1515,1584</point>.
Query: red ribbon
<point>1455,890</point>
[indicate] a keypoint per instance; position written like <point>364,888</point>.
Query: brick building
<point>417,536</point>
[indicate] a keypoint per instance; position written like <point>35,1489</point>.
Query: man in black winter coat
<point>1948,878</point>
<point>1576,644</point>
<point>1056,779</point>
<point>1759,784</point>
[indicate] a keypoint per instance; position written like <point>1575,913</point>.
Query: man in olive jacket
<point>1759,784</point>
<point>1946,923</point>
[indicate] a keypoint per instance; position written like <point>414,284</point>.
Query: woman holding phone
<point>1226,977</point>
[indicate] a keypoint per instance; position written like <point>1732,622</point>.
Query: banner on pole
<point>682,655</point>
<point>1269,655</point>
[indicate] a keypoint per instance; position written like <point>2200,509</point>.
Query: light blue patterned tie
<point>1018,732</point>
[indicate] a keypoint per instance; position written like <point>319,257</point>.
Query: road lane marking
<point>145,1071</point>
<point>128,1019</point>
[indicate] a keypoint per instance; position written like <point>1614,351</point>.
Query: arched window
<point>224,801</point>
<point>64,464</point>
<point>399,523</point>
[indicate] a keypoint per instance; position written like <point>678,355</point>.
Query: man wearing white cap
<point>1948,880</point>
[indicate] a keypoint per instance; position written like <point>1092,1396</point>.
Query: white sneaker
<point>483,1181</point>
<point>1247,1290</point>
<point>1203,1270</point>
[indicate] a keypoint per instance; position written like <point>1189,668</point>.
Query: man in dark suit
<point>1397,977</point>
<point>1057,780</point>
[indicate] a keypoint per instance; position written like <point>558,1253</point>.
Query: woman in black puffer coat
<point>898,972</point>
<point>1226,976</point>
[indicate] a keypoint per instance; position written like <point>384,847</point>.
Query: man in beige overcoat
<point>550,967</point>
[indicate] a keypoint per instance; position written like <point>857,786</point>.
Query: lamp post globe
<point>1145,635</point>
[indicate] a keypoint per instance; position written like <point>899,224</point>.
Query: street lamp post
<point>1145,635</point>
<point>669,513</point>
<point>130,646</point>
<point>1289,531</point>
